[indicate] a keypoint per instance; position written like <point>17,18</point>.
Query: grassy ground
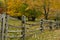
<point>47,35</point>
<point>37,35</point>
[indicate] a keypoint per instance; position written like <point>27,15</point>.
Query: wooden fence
<point>43,24</point>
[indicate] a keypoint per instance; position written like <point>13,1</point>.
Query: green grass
<point>45,35</point>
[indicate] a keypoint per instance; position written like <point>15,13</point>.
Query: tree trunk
<point>46,16</point>
<point>19,17</point>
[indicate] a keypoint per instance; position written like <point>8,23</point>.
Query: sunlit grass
<point>37,35</point>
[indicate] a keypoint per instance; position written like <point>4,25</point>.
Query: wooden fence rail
<point>42,23</point>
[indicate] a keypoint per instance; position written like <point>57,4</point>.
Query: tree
<point>33,14</point>
<point>16,8</point>
<point>46,8</point>
<point>13,7</point>
<point>57,16</point>
<point>1,7</point>
<point>22,9</point>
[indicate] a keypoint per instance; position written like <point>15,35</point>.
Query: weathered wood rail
<point>42,25</point>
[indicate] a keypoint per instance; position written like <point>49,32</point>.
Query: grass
<point>46,35</point>
<point>37,35</point>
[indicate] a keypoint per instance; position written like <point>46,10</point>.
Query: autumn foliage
<point>32,7</point>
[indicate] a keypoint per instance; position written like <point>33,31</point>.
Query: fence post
<point>57,24</point>
<point>6,26</point>
<point>23,27</point>
<point>41,25</point>
<point>50,25</point>
<point>2,26</point>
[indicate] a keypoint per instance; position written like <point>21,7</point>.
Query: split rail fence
<point>24,27</point>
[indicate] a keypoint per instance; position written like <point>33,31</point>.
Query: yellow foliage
<point>12,4</point>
